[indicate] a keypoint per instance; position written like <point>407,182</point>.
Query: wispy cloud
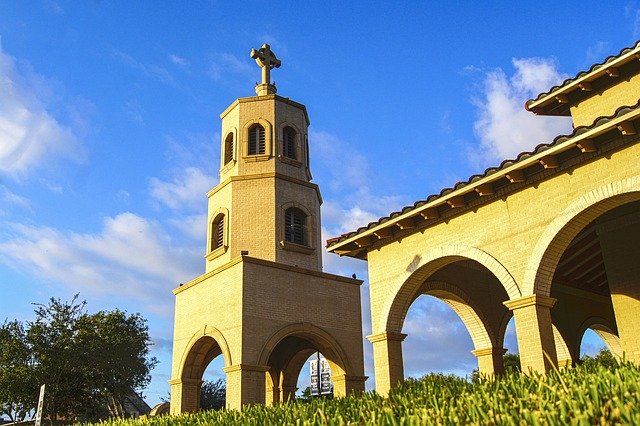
<point>179,61</point>
<point>191,176</point>
<point>131,255</point>
<point>9,198</point>
<point>280,49</point>
<point>503,126</point>
<point>352,203</point>
<point>632,12</point>
<point>225,65</point>
<point>184,191</point>
<point>437,340</point>
<point>132,110</point>
<point>153,71</point>
<point>31,137</point>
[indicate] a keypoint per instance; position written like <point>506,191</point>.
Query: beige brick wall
<point>605,102</point>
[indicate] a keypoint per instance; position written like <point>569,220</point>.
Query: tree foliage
<point>18,390</point>
<point>88,362</point>
<point>604,358</point>
<point>213,395</point>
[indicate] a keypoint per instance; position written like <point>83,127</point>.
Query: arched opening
<point>203,359</point>
<point>469,312</point>
<point>595,276</point>
<point>288,352</point>
<point>437,340</point>
<point>214,385</point>
<point>591,344</point>
<point>595,335</point>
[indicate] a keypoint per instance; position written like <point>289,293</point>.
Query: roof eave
<point>341,246</point>
<point>538,105</point>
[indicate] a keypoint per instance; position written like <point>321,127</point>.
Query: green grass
<point>587,395</point>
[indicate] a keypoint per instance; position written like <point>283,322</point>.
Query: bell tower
<point>265,203</point>
<point>263,303</point>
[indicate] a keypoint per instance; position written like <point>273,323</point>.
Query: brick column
<point>272,395</point>
<point>345,384</point>
<point>620,243</point>
<point>535,332</point>
<point>245,385</point>
<point>185,395</point>
<point>490,362</point>
<point>387,360</point>
<point>272,387</point>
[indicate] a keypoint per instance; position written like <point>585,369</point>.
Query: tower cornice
<point>230,179</point>
<point>266,98</point>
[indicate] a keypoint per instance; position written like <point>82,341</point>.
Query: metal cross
<point>266,60</point>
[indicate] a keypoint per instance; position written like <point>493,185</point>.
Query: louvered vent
<point>295,222</point>
<point>289,143</point>
<point>256,140</point>
<point>217,233</point>
<point>228,149</point>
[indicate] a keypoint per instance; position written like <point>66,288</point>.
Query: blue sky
<point>109,131</point>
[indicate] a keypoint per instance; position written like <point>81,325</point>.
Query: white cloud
<point>30,136</point>
<point>9,198</point>
<point>226,64</point>
<point>504,127</point>
<point>150,70</point>
<point>352,203</point>
<point>179,61</point>
<point>132,110</point>
<point>184,191</point>
<point>632,11</point>
<point>192,226</point>
<point>131,256</point>
<point>437,340</point>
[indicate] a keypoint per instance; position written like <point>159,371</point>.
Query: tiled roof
<point>559,140</point>
<point>594,68</point>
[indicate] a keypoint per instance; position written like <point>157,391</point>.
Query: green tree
<point>89,362</point>
<point>604,358</point>
<point>213,395</point>
<point>511,363</point>
<point>18,390</point>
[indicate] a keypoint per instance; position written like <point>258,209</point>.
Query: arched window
<point>295,226</point>
<point>289,143</point>
<point>256,140</point>
<point>228,149</point>
<point>217,232</point>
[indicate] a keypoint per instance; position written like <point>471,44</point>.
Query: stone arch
<point>462,305</point>
<point>319,338</point>
<point>564,228</point>
<point>603,329</point>
<point>563,352</point>
<point>405,288</point>
<point>206,344</point>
